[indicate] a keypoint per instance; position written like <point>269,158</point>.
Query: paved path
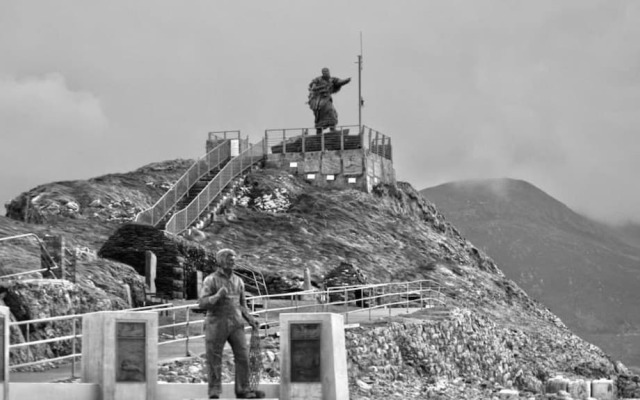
<point>178,350</point>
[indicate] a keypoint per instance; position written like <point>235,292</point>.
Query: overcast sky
<point>545,91</point>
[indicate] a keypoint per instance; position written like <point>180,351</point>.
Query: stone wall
<point>128,245</point>
<point>472,348</point>
<point>42,298</point>
<point>338,169</point>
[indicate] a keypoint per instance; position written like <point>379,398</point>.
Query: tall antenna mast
<point>360,101</point>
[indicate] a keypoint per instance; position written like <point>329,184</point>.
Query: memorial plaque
<point>305,352</point>
<point>2,349</point>
<point>131,351</point>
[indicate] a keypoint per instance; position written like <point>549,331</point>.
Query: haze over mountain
<point>585,271</point>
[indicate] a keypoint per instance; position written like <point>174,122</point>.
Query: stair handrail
<point>213,159</point>
<point>43,250</point>
<point>181,220</point>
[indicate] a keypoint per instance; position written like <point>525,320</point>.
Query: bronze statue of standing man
<point>224,299</point>
<point>321,102</point>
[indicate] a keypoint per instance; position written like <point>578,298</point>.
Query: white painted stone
<point>580,389</point>
<point>508,394</point>
<point>602,389</point>
<point>556,384</point>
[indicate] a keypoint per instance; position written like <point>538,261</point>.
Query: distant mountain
<point>586,272</point>
<point>630,233</point>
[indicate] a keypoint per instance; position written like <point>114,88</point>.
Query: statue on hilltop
<point>321,102</point>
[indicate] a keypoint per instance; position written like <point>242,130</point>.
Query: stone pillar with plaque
<point>313,357</point>
<point>120,353</point>
<point>5,317</point>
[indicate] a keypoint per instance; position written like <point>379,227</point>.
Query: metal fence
<point>212,160</point>
<point>301,140</point>
<point>43,252</point>
<point>183,219</point>
<point>378,143</point>
<point>348,137</point>
<point>69,324</point>
<point>183,324</point>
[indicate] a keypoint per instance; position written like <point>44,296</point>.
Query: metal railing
<point>184,218</point>
<point>302,140</point>
<point>43,251</point>
<point>62,323</point>
<point>223,135</point>
<point>378,143</point>
<point>348,137</point>
<point>347,300</point>
<point>214,159</point>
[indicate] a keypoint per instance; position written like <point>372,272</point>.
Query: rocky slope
<point>281,225</point>
<point>580,268</point>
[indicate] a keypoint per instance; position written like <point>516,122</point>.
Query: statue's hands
<point>253,322</point>
<point>222,292</point>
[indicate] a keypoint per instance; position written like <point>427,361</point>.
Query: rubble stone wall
<point>469,347</point>
<point>329,168</point>
<point>128,245</point>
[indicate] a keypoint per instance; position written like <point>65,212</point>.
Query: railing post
<point>407,297</point>
<point>173,323</point>
<point>322,141</point>
<point>342,139</point>
<point>304,135</point>
<point>73,349</point>
<point>346,306</point>
<point>188,319</point>
<point>284,141</point>
<point>370,299</point>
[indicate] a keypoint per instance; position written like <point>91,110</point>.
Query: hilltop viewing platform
<point>345,157</point>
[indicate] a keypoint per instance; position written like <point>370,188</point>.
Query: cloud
<point>47,130</point>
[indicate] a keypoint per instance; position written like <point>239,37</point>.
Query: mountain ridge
<point>584,270</point>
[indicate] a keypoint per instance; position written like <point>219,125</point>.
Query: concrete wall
<point>91,391</point>
<point>358,169</point>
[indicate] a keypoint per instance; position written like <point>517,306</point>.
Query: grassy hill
<point>583,270</point>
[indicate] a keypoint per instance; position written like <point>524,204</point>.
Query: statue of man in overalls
<point>224,299</point>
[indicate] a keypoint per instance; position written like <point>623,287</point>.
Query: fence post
<point>369,304</point>
<point>407,297</point>
<point>73,349</point>
<point>346,306</point>
<point>322,141</point>
<point>187,354</point>
<point>342,139</point>
<point>304,135</point>
<point>284,142</point>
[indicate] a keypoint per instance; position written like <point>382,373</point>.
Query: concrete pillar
<point>554,385</point>
<point>313,357</point>
<point>199,279</point>
<point>580,389</point>
<point>307,279</point>
<point>127,288</point>
<point>54,245</point>
<point>5,318</point>
<point>120,353</point>
<point>150,265</point>
<point>602,389</point>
